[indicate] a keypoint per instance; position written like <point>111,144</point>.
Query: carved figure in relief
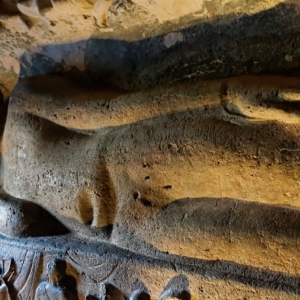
<point>177,288</point>
<point>58,286</point>
<point>139,291</point>
<point>5,275</point>
<point>110,292</point>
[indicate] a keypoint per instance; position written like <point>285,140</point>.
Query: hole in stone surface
<point>136,195</point>
<point>142,296</point>
<point>90,297</point>
<point>113,293</point>
<point>3,113</point>
<point>184,295</point>
<point>85,207</point>
<point>146,202</point>
<point>167,187</point>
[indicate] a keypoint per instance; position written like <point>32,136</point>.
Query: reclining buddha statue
<point>151,166</point>
<point>159,169</point>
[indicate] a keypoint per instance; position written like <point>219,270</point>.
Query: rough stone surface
<point>194,174</point>
<point>183,40</point>
<point>154,158</point>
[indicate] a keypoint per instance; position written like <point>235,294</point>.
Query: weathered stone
<point>213,40</point>
<point>156,172</point>
<point>24,218</point>
<point>156,158</point>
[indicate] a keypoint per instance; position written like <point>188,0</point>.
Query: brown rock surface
<point>205,171</point>
<point>149,162</point>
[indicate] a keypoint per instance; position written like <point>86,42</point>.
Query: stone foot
<point>21,218</point>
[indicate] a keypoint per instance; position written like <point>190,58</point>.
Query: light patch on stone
<point>289,96</point>
<point>73,55</point>
<point>21,154</point>
<point>3,216</point>
<point>217,61</point>
<point>172,38</point>
<point>51,51</point>
<point>10,64</point>
<point>165,10</point>
<point>288,58</point>
<point>108,29</point>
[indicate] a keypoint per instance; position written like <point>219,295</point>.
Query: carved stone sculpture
<point>56,287</point>
<point>149,162</point>
<point>4,278</point>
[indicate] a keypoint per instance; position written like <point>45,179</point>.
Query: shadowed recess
<point>22,218</point>
<point>221,47</point>
<point>243,216</point>
<point>221,269</point>
<point>177,288</point>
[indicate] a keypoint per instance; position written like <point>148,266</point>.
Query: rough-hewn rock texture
<point>151,42</point>
<point>154,158</point>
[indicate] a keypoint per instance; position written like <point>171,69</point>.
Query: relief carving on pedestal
<point>19,281</point>
<point>58,284</point>
<point>6,273</point>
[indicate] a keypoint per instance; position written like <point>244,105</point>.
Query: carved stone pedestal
<point>108,272</point>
